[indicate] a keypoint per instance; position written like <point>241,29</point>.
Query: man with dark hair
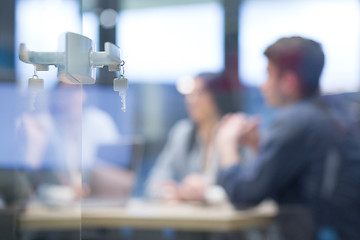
<point>309,160</point>
<point>302,56</point>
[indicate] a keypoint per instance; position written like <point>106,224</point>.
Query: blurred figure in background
<point>60,144</point>
<point>309,161</point>
<point>188,164</point>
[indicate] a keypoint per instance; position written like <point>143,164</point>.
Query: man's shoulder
<point>299,118</point>
<point>301,112</point>
<point>306,107</point>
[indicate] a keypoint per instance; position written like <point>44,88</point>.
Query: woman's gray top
<point>177,160</point>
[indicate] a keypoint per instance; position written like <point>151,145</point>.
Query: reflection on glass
<point>40,149</point>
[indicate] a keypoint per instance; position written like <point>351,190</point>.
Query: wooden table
<point>144,215</point>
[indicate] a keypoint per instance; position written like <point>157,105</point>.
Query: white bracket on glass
<point>76,61</point>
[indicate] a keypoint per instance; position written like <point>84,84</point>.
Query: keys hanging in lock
<point>121,85</point>
<point>35,82</point>
<point>35,86</point>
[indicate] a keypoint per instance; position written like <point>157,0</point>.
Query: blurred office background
<point>164,41</point>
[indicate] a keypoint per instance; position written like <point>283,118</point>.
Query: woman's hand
<point>193,188</point>
<point>167,191</point>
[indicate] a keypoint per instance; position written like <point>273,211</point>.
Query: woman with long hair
<point>188,163</point>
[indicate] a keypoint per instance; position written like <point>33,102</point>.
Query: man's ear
<point>291,84</point>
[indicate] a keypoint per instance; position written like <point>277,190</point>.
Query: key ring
<point>122,69</point>
<point>35,73</point>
